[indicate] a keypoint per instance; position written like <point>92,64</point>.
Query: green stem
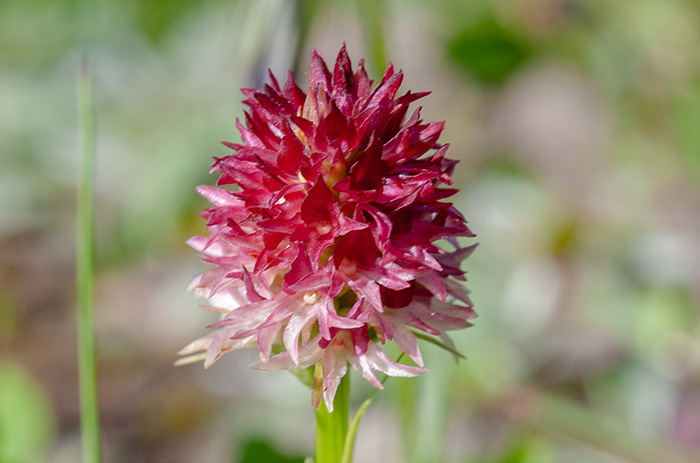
<point>332,428</point>
<point>372,16</point>
<point>85,270</point>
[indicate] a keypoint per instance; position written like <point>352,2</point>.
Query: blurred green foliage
<point>487,52</point>
<point>259,449</point>
<point>27,424</point>
<point>528,448</point>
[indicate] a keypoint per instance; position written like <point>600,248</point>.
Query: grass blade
<point>354,425</point>
<point>85,271</point>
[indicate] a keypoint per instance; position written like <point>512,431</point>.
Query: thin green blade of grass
<point>354,426</point>
<point>85,270</point>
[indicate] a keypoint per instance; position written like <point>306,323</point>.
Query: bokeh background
<point>577,123</point>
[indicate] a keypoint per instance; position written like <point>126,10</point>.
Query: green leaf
<point>27,424</point>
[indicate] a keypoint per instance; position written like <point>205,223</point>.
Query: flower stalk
<point>332,427</point>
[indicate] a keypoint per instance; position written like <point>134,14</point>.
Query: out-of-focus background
<point>577,124</point>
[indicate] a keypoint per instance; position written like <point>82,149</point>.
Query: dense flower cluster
<point>325,248</point>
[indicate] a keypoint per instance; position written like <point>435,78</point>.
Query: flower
<point>325,228</point>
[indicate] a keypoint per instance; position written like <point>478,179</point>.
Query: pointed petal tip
<point>209,362</point>
<point>189,359</point>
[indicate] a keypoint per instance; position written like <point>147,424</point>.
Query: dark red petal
<point>248,136</point>
<point>387,74</point>
<point>306,126</point>
<point>362,82</point>
<point>273,239</point>
<point>369,170</point>
<point>319,72</point>
<point>292,91</point>
<point>251,293</point>
<point>273,80</point>
<point>318,205</point>
<point>385,93</point>
<point>261,130</point>
<point>397,299</point>
<point>301,267</point>
<point>357,246</point>
<point>291,157</point>
<point>343,83</point>
<point>360,340</point>
<point>335,124</point>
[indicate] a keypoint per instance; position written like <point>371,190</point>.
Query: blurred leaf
<point>665,312</point>
<point>41,43</point>
<point>527,448</point>
<point>157,17</point>
<point>259,450</point>
<point>26,420</point>
<point>487,52</point>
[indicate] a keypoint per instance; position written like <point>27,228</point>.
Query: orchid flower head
<point>329,233</point>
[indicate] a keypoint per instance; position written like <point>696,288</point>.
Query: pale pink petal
<point>334,368</point>
<point>379,361</point>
